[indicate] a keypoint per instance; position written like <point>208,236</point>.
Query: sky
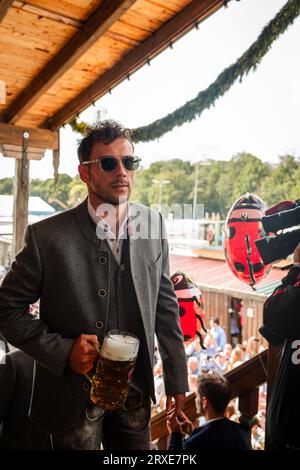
<point>260,115</point>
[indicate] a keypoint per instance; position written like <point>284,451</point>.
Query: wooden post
<point>25,144</point>
<point>248,407</point>
<point>21,192</point>
<point>56,157</point>
<point>248,403</point>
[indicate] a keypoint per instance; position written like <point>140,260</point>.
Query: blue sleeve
<point>176,441</point>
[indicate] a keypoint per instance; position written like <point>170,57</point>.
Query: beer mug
<point>117,356</point>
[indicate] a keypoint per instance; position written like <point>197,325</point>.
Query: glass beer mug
<point>115,366</point>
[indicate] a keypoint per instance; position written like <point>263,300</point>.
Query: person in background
<point>159,384</point>
<point>227,350</point>
<point>218,433</point>
<point>252,347</point>
<point>194,348</point>
<point>242,349</point>
<point>193,382</point>
<point>235,326</point>
<point>235,359</point>
<point>193,365</point>
<point>222,362</point>
<point>218,333</point>
<point>232,412</point>
<point>210,345</point>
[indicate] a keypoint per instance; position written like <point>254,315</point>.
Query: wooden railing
<point>244,379</point>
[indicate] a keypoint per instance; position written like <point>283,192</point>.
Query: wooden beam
<point>159,40</point>
<point>248,403</point>
<point>56,160</point>
<point>249,375</point>
<point>106,15</point>
<point>4,7</point>
<point>20,212</point>
<point>38,137</point>
<point>2,91</point>
<point>47,14</point>
<point>15,151</point>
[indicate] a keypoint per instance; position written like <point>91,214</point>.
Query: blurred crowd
<point>221,357</point>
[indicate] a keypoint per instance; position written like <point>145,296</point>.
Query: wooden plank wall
<point>251,325</point>
<point>217,304</point>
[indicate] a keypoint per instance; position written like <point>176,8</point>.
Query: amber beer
<point>117,358</point>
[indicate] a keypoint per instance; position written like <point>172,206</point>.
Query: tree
<point>283,182</point>
<point>208,178</point>
<point>142,183</point>
<point>49,190</point>
<point>6,186</point>
<point>220,183</point>
<point>77,192</point>
<point>176,171</point>
<point>243,173</point>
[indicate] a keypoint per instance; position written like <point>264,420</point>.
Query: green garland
<point>206,98</point>
<point>79,127</point>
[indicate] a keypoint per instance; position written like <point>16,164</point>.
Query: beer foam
<point>120,347</point>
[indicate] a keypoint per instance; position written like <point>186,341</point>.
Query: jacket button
<point>122,267</point>
<point>99,324</point>
<point>85,386</point>
<point>102,260</point>
<point>102,293</point>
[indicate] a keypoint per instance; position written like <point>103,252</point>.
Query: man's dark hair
<point>215,320</point>
<point>103,131</point>
<point>216,389</point>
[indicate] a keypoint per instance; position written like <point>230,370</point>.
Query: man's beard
<point>116,201</point>
<point>108,198</point>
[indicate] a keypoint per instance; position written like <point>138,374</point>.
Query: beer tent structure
<point>58,57</point>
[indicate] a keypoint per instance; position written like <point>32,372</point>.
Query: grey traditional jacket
<point>62,265</point>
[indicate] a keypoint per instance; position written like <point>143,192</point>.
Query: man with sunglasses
<point>100,266</point>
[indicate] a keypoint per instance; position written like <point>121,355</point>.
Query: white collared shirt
<point>115,243</point>
<point>213,419</point>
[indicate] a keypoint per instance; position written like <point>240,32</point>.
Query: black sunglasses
<point>111,163</point>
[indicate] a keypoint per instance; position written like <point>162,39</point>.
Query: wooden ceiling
<point>58,56</point>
